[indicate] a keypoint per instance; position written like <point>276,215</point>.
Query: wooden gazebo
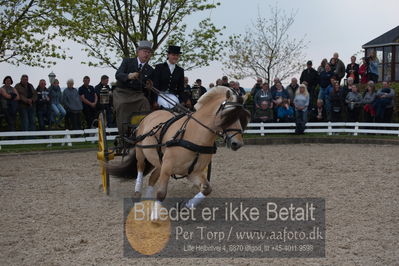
<point>387,51</point>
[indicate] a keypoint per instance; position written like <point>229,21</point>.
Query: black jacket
<point>355,68</point>
<point>173,83</point>
<point>130,65</point>
<point>311,76</point>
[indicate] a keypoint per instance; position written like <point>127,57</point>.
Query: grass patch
<point>45,147</point>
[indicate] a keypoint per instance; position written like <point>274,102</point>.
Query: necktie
<point>140,66</point>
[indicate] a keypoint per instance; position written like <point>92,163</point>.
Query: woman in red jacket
<point>363,72</point>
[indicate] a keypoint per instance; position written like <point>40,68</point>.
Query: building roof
<point>389,37</point>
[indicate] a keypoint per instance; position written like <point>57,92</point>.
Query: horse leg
<point>162,190</point>
<point>140,170</point>
<point>205,189</point>
<point>151,183</point>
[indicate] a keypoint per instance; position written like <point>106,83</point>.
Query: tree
<point>266,50</point>
<point>25,37</point>
<point>110,30</point>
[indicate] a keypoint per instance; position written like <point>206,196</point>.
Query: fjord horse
<point>186,146</point>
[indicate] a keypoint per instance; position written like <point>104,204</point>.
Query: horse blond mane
<point>210,95</point>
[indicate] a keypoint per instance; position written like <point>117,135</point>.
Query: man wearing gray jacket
<point>73,106</point>
<point>353,100</point>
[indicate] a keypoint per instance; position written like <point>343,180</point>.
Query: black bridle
<point>237,131</point>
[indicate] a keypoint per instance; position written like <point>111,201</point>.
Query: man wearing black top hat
<point>129,97</point>
<point>168,78</point>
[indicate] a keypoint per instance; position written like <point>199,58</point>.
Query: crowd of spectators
<point>317,97</point>
<point>50,107</point>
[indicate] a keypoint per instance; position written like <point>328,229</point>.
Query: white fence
<point>91,135</point>
<point>330,128</point>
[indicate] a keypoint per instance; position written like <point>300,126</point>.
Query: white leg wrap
<point>139,182</point>
<point>149,192</point>
<point>155,210</point>
<point>192,203</point>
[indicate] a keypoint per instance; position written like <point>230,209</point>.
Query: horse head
<point>229,113</point>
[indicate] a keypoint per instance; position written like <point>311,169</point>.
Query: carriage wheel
<point>103,155</point>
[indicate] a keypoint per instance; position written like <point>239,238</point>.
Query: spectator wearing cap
<point>131,96</point>
<point>27,101</point>
<point>73,106</point>
<point>9,102</point>
<point>89,99</point>
<point>352,70</point>
<point>168,78</point>
<point>311,76</point>
<point>103,87</point>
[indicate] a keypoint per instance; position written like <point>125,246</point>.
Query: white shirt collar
<point>139,62</point>
<point>171,66</point>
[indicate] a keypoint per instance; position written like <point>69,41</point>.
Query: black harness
<point>177,139</point>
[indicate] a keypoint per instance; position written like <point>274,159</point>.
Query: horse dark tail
<point>128,167</point>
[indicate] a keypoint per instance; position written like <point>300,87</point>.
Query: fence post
<point>68,137</point>
<point>49,137</point>
<point>329,131</point>
<point>356,129</point>
<point>262,128</point>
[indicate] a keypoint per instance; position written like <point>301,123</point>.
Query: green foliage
<point>110,30</point>
<point>26,35</point>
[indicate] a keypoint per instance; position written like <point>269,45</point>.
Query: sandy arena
<point>52,212</point>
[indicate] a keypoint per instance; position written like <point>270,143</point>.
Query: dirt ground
<point>52,212</point>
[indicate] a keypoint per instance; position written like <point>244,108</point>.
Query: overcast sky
<point>341,26</point>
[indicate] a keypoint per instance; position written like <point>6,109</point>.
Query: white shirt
<point>138,63</point>
<point>171,66</point>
